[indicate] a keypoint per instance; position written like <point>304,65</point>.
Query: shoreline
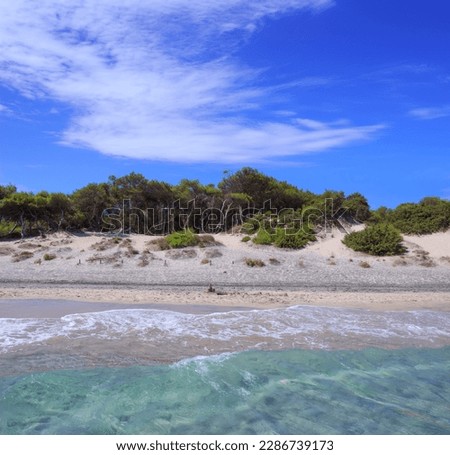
<point>187,300</point>
<point>95,268</point>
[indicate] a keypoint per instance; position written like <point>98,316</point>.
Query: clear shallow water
<point>290,371</point>
<point>369,391</point>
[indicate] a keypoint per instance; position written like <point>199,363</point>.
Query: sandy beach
<point>130,270</point>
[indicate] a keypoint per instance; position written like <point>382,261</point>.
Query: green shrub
<point>49,257</point>
<point>251,225</point>
<point>295,240</point>
<point>247,238</point>
<point>377,240</point>
<point>182,239</point>
<point>263,237</point>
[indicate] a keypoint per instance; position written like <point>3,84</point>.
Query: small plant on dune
<point>206,240</point>
<point>160,244</point>
<point>399,262</point>
<point>182,239</point>
<point>364,265</point>
<point>49,257</point>
<point>377,240</point>
<point>245,239</point>
<point>254,262</point>
<point>144,261</point>
<point>294,240</point>
<point>22,256</point>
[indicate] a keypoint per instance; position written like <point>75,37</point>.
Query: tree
<point>251,182</point>
<point>357,208</point>
<point>18,208</point>
<point>7,190</point>
<point>90,202</point>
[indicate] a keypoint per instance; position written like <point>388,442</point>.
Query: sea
<point>291,371</point>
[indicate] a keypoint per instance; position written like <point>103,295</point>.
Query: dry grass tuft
<point>213,253</point>
<point>22,256</point>
<point>254,262</point>
<point>400,262</point>
<point>29,245</point>
<point>181,254</point>
<point>445,259</point>
<point>144,260</point>
<point>6,250</point>
<point>103,259</point>
<point>159,244</point>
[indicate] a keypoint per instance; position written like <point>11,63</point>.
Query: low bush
<point>49,257</point>
<point>295,240</point>
<point>263,237</point>
<point>377,240</point>
<point>182,239</point>
<point>247,238</point>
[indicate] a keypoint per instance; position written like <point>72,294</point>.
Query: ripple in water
<point>369,391</point>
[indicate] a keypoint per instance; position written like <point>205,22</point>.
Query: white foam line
<point>279,324</point>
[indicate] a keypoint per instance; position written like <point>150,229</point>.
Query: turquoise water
<point>369,391</point>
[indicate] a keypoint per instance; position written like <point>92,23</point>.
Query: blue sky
<point>346,94</point>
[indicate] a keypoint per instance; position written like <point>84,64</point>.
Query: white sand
<point>325,273</point>
<point>438,245</point>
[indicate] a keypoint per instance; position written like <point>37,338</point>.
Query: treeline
<point>133,203</point>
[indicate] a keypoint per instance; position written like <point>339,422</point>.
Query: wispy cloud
<point>158,80</point>
<point>430,113</point>
<point>4,109</point>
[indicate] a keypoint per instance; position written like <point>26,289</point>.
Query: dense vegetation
<point>269,211</point>
<point>430,215</point>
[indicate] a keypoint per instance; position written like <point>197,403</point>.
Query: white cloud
<point>430,113</point>
<point>156,79</point>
